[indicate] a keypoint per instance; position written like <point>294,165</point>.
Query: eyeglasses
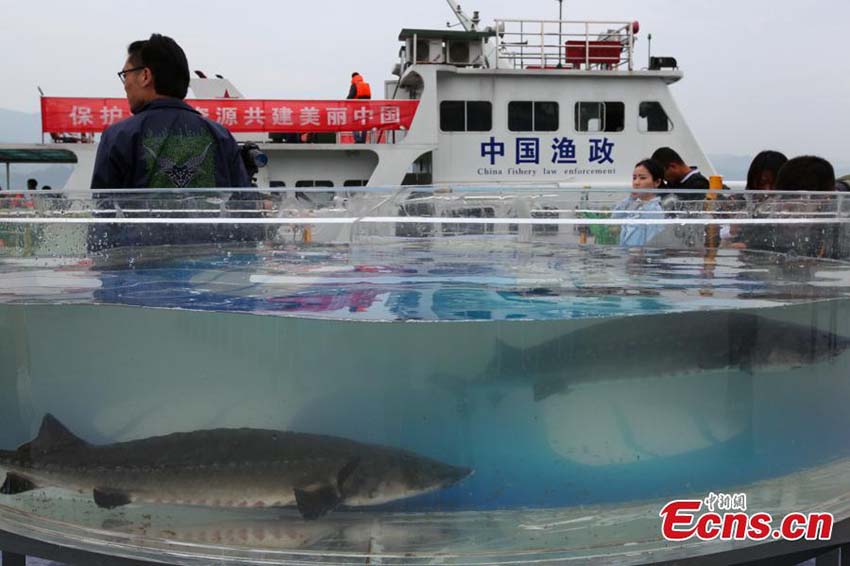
<point>123,74</point>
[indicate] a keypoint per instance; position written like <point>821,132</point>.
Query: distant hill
<point>732,167</point>
<point>19,127</point>
<point>735,167</point>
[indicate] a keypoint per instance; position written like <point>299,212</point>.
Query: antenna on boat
<point>560,33</point>
<point>469,24</point>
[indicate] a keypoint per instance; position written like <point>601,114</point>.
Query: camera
<point>253,158</point>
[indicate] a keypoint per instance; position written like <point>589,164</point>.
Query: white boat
<point>520,101</point>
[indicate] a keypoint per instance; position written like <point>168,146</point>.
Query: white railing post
<point>499,26</point>
<point>631,46</point>
<point>521,47</point>
<point>543,45</point>
<point>561,47</point>
<point>587,45</point>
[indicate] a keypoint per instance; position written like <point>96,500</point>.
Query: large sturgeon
<point>663,345</point>
<point>225,468</point>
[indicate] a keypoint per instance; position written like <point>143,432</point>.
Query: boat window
<point>319,199</point>
<point>600,116</point>
<point>453,116</point>
<point>469,229</point>
<point>308,184</point>
<point>545,228</point>
<point>653,118</point>
<point>546,117</point>
<point>520,117</point>
<point>466,116</point>
<point>533,116</point>
<point>479,116</point>
<point>355,183</point>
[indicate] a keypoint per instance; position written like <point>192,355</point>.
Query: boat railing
<point>233,205</point>
<point>373,136</point>
<point>39,225</point>
<point>563,44</point>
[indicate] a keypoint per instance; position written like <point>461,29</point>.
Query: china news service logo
<point>725,517</point>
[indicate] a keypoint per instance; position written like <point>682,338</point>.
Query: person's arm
<point>238,173</point>
<point>107,170</point>
<point>654,211</point>
<point>240,204</point>
<point>352,92</point>
<point>620,210</point>
<point>239,179</point>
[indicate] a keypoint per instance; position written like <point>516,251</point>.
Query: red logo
<point>726,518</point>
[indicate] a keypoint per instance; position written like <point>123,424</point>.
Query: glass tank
<point>437,375</point>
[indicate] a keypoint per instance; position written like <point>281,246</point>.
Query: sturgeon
<point>225,468</point>
<point>663,345</point>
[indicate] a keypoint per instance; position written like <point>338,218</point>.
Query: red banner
<point>92,115</point>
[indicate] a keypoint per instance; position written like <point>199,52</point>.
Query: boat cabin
<point>522,101</point>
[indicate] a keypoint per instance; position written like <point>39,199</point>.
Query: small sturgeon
<point>225,468</point>
<point>663,345</point>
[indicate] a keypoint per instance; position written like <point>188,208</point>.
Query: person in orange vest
<point>360,90</point>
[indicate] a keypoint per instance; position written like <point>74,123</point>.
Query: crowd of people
<point>665,181</point>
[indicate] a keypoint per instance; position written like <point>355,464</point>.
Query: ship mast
<point>469,24</point>
<point>560,32</point>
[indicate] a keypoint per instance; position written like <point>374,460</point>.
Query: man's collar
<point>689,175</point>
<point>166,103</point>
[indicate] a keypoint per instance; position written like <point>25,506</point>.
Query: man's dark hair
<point>32,184</point>
<point>167,62</point>
<point>665,156</point>
<point>806,173</point>
<point>765,161</point>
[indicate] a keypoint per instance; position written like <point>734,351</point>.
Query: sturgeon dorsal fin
<point>16,484</point>
<point>53,435</point>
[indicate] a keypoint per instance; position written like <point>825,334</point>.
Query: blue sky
<point>759,73</point>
